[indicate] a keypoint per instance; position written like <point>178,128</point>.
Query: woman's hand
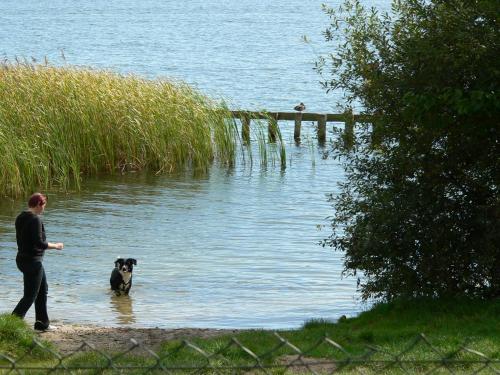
<point>57,245</point>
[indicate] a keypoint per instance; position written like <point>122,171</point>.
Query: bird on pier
<point>301,107</point>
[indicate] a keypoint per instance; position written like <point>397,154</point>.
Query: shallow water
<point>232,248</point>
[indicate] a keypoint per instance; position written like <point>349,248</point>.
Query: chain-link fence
<point>232,357</point>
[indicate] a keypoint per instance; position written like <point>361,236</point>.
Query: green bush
<point>419,211</point>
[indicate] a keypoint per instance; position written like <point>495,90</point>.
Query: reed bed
<point>59,124</point>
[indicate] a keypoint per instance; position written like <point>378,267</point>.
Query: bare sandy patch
<point>69,338</point>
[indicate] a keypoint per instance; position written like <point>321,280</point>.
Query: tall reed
<point>270,152</point>
<point>59,124</point>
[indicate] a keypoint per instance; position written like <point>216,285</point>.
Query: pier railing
<point>348,118</point>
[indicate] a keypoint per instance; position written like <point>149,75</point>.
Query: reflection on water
<point>122,306</point>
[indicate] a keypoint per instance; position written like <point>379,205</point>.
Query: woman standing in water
<point>31,245</point>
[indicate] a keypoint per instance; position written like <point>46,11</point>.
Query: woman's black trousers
<point>35,290</point>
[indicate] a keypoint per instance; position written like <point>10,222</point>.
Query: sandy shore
<point>68,338</point>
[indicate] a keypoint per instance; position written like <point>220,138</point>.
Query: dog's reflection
<point>123,306</point>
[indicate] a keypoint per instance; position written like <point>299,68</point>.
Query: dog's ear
<point>133,261</point>
<point>119,262</point>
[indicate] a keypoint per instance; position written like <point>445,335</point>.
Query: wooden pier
<point>348,118</point>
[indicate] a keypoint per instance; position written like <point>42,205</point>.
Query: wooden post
<point>298,123</point>
<point>245,128</point>
<point>322,129</point>
<point>349,129</point>
<point>272,127</point>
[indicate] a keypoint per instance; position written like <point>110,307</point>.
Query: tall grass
<point>270,152</point>
<point>59,124</point>
<point>16,338</point>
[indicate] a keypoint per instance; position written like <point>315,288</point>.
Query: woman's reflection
<point>123,306</point>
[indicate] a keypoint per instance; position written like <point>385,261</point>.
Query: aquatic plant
<point>272,148</point>
<point>59,124</point>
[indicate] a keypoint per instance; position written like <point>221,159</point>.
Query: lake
<point>232,248</point>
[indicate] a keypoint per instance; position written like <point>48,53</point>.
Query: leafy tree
<point>418,213</point>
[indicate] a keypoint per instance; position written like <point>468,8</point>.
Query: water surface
<point>248,52</point>
<point>235,248</point>
<point>232,248</point>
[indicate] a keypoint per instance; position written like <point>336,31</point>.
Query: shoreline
<point>68,338</point>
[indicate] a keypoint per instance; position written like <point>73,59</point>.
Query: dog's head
<point>125,265</point>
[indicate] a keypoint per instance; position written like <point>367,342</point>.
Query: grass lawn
<point>389,335</point>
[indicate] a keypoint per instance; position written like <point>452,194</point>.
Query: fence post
<point>298,123</point>
<point>322,128</point>
<point>272,127</point>
<point>349,129</point>
<point>245,127</point>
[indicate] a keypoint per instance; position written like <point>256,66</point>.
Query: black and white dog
<point>121,276</point>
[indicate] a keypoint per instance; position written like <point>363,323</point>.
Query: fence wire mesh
<point>232,357</point>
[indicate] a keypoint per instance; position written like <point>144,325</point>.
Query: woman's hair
<point>37,199</point>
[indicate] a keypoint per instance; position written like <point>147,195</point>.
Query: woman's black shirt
<point>30,236</point>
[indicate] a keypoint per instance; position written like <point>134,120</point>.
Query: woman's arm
<point>55,245</point>
<point>39,239</point>
<point>36,234</point>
